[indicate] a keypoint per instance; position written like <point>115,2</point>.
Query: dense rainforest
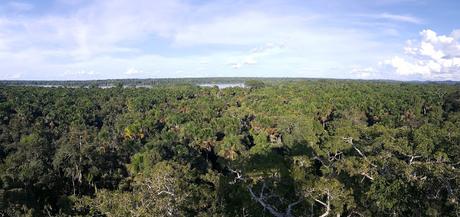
<point>284,149</point>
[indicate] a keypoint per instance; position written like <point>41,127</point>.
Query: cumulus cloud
<point>432,57</point>
<point>456,34</point>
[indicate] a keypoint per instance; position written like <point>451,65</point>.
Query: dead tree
<point>261,198</point>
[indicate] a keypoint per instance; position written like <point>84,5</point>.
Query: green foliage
<point>254,84</point>
<point>283,148</point>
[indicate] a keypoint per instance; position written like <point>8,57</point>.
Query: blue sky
<point>100,39</point>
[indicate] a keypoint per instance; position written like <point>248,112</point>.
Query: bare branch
<point>350,141</point>
<point>261,200</point>
<point>166,192</point>
<point>412,158</point>
<point>262,197</point>
<point>367,176</point>
<point>290,206</point>
<point>327,204</point>
<point>321,202</point>
<point>356,213</point>
<point>320,160</point>
<point>266,206</point>
<point>239,176</point>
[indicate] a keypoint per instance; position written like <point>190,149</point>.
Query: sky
<point>111,39</point>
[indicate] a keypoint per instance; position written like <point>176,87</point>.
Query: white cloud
<point>250,60</point>
<point>387,19</point>
<point>133,71</point>
<point>256,54</point>
<point>236,65</point>
<point>204,62</point>
<point>242,28</point>
<point>80,73</point>
<point>361,72</point>
<point>11,76</point>
<point>400,18</point>
<point>2,43</point>
<point>456,34</point>
<point>98,28</point>
<point>267,48</point>
<point>109,36</point>
<point>432,57</point>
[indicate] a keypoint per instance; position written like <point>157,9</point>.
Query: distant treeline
<point>142,82</point>
<point>169,81</point>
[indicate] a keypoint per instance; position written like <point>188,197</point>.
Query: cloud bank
<point>434,57</point>
<point>80,39</point>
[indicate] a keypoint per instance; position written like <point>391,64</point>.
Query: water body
<point>223,85</point>
<point>50,86</point>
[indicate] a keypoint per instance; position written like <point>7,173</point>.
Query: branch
<point>359,151</point>
<point>261,200</point>
<point>239,176</point>
<point>290,206</point>
<point>166,192</point>
<point>350,141</point>
<point>335,157</point>
<point>412,158</point>
<point>367,176</point>
<point>266,206</point>
<point>327,204</point>
<point>355,212</point>
<point>320,160</point>
<point>321,202</point>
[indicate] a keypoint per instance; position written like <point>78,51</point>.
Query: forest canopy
<point>284,149</point>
